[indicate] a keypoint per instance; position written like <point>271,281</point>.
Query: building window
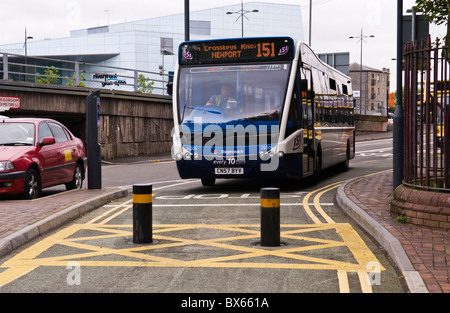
<point>200,27</point>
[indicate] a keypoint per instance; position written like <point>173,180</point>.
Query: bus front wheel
<point>208,181</point>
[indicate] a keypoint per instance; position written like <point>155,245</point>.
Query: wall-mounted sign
<point>7,102</point>
<point>110,79</point>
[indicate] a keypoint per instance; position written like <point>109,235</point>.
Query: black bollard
<point>142,213</point>
<point>94,167</point>
<point>270,217</point>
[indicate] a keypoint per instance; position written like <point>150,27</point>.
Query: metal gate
<point>427,115</point>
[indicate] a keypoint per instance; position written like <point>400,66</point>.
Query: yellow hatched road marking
<point>28,260</point>
<point>238,253</point>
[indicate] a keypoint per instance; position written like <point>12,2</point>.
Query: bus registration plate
<point>229,170</point>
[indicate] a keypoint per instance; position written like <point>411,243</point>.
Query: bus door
<point>307,96</point>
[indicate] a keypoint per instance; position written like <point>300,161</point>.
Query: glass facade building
<point>151,44</point>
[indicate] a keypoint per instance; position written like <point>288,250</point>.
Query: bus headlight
<point>178,156</point>
<point>268,154</point>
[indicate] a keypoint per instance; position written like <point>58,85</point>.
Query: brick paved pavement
<point>23,220</point>
<point>427,249</point>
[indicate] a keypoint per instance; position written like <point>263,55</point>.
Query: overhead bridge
<point>131,123</point>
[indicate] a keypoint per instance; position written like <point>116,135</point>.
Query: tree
<point>437,11</point>
<point>144,86</point>
<point>70,81</point>
<point>51,76</point>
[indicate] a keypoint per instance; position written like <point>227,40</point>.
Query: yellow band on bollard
<point>142,198</point>
<point>270,203</point>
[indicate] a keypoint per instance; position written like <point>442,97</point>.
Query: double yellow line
<point>317,206</point>
<point>320,192</point>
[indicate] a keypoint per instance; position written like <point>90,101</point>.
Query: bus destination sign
<point>236,50</point>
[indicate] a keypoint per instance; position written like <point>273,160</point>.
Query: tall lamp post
<point>186,21</point>
<point>361,39</point>
<point>26,39</point>
<point>310,21</point>
<point>25,45</point>
<point>241,16</point>
<point>398,139</point>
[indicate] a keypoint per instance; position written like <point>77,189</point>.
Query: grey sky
<point>333,21</point>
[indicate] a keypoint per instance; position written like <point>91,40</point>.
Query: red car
<point>38,153</point>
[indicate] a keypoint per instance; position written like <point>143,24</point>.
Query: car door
<point>49,156</point>
<point>66,158</point>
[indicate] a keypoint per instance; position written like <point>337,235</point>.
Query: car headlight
<point>6,166</point>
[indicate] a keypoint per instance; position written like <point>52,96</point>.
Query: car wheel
<point>32,186</point>
<point>77,181</point>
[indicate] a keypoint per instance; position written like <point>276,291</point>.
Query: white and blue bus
<point>259,108</point>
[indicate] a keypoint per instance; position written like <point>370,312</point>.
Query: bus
<point>259,108</point>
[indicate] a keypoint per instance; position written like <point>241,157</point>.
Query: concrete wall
<point>131,124</point>
<point>370,123</point>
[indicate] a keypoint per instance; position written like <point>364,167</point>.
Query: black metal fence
<point>427,115</point>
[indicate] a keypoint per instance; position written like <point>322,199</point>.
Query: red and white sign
<point>7,102</point>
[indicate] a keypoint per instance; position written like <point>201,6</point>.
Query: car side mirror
<point>47,141</point>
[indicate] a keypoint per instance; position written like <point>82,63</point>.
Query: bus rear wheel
<point>317,166</point>
<point>346,164</point>
<point>208,181</point>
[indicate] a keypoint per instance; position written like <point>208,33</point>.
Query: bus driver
<point>222,99</point>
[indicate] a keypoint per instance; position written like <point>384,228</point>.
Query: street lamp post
<point>186,21</point>
<point>361,39</point>
<point>241,16</point>
<point>161,67</point>
<point>26,39</point>
<point>398,140</point>
<point>25,45</point>
<point>310,21</point>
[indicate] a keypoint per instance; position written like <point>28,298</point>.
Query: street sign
<point>7,102</point>
<point>421,28</point>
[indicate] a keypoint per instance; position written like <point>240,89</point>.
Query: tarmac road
<point>206,240</point>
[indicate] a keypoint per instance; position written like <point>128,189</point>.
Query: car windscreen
<point>17,134</point>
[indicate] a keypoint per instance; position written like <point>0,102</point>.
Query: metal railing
<point>427,115</point>
<point>73,73</point>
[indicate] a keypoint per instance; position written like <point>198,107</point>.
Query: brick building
<point>373,91</point>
